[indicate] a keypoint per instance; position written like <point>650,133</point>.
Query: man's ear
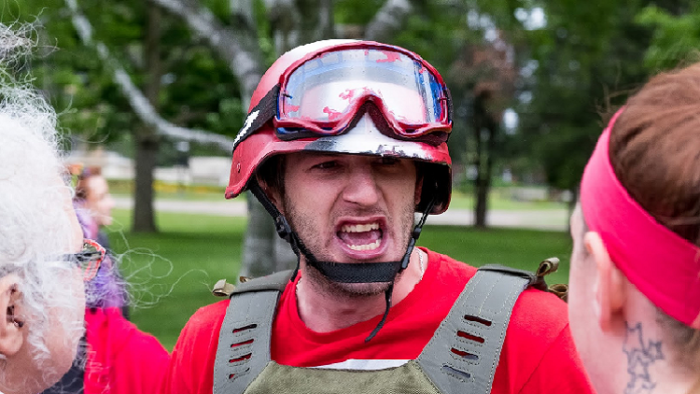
<point>11,322</point>
<point>419,187</point>
<point>609,282</point>
<point>272,193</point>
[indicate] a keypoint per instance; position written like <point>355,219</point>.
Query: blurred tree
<point>485,74</point>
<point>582,58</point>
<point>676,35</point>
<point>478,58</point>
<point>210,55</point>
<point>96,89</point>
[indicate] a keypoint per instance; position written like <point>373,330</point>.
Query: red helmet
<point>354,97</point>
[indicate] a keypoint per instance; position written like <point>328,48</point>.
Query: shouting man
<point>344,143</point>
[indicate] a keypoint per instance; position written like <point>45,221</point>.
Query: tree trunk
<point>485,130</point>
<point>147,140</point>
<point>485,174</point>
<point>258,245</point>
<point>146,153</point>
<point>480,188</point>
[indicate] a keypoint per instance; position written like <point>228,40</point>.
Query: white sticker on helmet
<point>246,126</point>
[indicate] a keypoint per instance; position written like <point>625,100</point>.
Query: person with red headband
<point>345,141</point>
<point>634,298</point>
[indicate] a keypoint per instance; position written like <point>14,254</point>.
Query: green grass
<point>499,200</point>
<point>186,195</point>
<point>171,191</point>
<point>171,272</point>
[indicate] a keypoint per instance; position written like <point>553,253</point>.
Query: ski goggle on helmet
<point>315,94</point>
<point>323,93</point>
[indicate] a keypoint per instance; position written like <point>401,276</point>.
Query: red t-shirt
<point>538,354</point>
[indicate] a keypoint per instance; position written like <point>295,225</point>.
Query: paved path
<point>550,219</point>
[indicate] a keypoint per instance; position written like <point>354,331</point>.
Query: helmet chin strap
<point>377,272</point>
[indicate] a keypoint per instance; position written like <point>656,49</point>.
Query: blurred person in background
<point>93,203</point>
<point>634,298</point>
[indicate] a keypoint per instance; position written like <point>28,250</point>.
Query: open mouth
<point>361,237</point>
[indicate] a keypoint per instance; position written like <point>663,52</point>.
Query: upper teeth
<point>360,228</point>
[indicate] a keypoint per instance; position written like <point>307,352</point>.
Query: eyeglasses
<point>89,259</point>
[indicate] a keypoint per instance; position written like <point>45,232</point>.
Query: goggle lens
<point>329,88</point>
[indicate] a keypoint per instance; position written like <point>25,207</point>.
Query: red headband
<point>661,264</point>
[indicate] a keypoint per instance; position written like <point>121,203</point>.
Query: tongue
<point>362,238</point>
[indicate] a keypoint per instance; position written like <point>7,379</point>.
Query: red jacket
<point>121,359</point>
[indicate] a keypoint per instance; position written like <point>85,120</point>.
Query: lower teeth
<point>372,246</point>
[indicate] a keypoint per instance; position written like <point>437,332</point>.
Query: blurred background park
<point>154,91</point>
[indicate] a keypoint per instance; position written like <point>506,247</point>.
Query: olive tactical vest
<point>461,357</point>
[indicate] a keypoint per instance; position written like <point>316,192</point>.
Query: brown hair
<point>81,187</point>
<point>655,152</point>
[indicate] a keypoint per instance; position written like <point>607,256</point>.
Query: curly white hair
<point>35,226</point>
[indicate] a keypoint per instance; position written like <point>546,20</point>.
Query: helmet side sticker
<point>246,128</point>
<point>258,116</point>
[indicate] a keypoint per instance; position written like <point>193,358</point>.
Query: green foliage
<point>439,32</point>
<point>267,46</point>
<point>198,89</point>
<point>356,12</point>
<point>676,38</point>
<point>585,61</point>
<point>220,8</point>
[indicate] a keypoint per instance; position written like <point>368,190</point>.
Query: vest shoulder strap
<point>463,354</point>
<point>244,339</point>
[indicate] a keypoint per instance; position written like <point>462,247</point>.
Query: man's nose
<point>362,188</point>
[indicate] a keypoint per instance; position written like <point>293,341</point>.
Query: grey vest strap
<point>244,339</point>
<point>463,354</point>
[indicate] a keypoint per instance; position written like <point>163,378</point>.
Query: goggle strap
<point>258,116</point>
<point>281,225</point>
<point>284,230</point>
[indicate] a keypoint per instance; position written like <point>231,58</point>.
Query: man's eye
<point>326,165</point>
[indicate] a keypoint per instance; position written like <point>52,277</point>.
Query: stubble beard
<point>305,230</point>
